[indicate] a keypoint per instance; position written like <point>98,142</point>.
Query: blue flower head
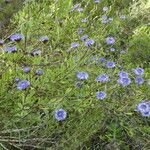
<point>26,69</point>
<point>22,85</point>
<point>102,59</point>
<point>10,49</point>
<point>39,72</point>
<point>100,95</point>
<point>138,71</point>
<point>110,64</point>
<point>139,80</point>
<point>60,114</point>
<point>82,75</point>
<point>110,40</point>
<point>36,52</point>
<point>123,74</point>
<point>124,81</point>
<point>144,108</point>
<point>89,42</point>
<point>102,78</point>
<point>75,44</point>
<point>112,49</point>
<point>16,37</point>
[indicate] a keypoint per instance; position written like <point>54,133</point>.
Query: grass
<point>27,116</point>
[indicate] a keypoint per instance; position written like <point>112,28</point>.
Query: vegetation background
<point>27,117</point>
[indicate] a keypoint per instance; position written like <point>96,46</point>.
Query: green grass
<point>91,123</point>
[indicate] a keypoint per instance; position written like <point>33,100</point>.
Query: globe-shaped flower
<point>10,49</point>
<point>82,75</point>
<point>22,85</point>
<point>110,64</point>
<point>139,80</point>
<point>100,95</point>
<point>89,42</point>
<point>26,69</point>
<point>124,81</point>
<point>138,71</point>
<point>16,37</point>
<point>110,40</point>
<point>144,108</point>
<point>39,72</point>
<point>60,114</point>
<point>102,78</point>
<point>123,74</point>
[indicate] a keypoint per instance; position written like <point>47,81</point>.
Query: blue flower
<point>10,49</point>
<point>144,108</point>
<point>60,114</point>
<point>138,71</point>
<point>124,81</point>
<point>23,84</point>
<point>123,74</point>
<point>100,95</point>
<point>39,72</point>
<point>89,42</point>
<point>82,75</point>
<point>84,37</point>
<point>16,37</point>
<point>112,49</point>
<point>102,59</point>
<point>139,80</point>
<point>110,64</point>
<point>110,40</point>
<point>44,39</point>
<point>26,69</point>
<point>75,44</point>
<point>102,78</point>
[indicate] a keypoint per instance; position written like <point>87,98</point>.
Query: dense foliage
<point>76,75</point>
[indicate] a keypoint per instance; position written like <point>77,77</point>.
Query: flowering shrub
<point>74,81</point>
